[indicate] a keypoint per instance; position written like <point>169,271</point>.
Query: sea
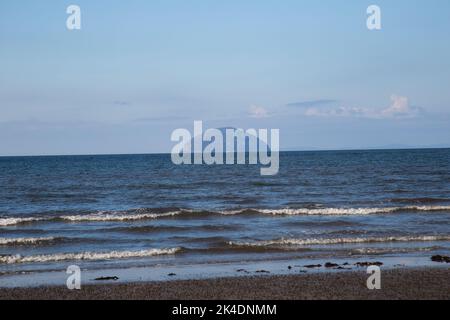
<point>143,218</point>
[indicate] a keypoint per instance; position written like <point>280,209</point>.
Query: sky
<point>137,70</point>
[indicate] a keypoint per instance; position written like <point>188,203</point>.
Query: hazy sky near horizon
<point>137,70</point>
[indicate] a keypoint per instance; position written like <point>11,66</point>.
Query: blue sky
<point>139,69</point>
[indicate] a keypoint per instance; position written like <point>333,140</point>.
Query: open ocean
<point>129,211</point>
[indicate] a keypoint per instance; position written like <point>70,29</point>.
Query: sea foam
<point>104,216</point>
<point>20,241</point>
<point>352,211</point>
<point>326,241</point>
<point>135,215</point>
<point>4,222</point>
<point>13,259</point>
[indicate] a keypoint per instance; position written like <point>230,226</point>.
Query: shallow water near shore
<point>209,271</point>
<point>140,217</point>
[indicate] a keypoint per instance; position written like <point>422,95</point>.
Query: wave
<point>107,216</point>
<point>14,259</point>
<point>23,241</point>
<point>352,211</point>
<point>4,222</point>
<point>98,216</point>
<point>331,241</point>
<point>104,216</point>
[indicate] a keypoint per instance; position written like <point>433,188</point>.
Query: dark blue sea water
<point>141,210</point>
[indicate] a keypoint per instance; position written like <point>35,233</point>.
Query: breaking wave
<point>104,216</point>
<point>23,241</point>
<point>101,216</point>
<point>352,211</point>
<point>13,259</point>
<point>4,222</point>
<point>305,242</point>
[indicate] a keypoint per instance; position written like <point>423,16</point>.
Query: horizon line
<point>168,153</point>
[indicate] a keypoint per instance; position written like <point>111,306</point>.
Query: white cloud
<point>399,108</point>
<point>258,112</point>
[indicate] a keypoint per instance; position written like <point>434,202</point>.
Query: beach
<point>407,283</point>
<point>224,150</point>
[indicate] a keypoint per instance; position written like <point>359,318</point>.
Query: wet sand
<point>429,283</point>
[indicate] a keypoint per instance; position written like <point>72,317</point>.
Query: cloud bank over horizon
<point>399,108</point>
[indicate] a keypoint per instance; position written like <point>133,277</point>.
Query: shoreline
<point>405,283</point>
<point>204,271</point>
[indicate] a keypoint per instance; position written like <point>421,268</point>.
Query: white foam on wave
<point>313,241</point>
<point>19,241</point>
<point>123,216</point>
<point>329,211</point>
<point>428,208</point>
<point>4,222</point>
<point>99,216</point>
<point>13,259</point>
<point>104,216</point>
<point>352,211</point>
